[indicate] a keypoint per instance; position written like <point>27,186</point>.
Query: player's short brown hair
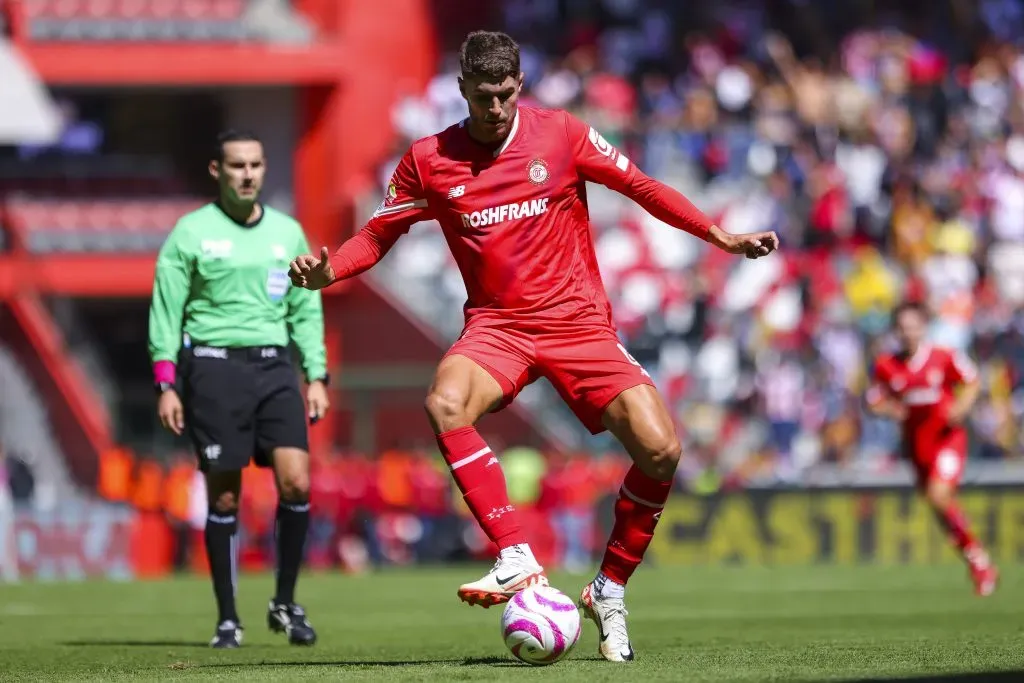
<point>489,54</point>
<point>909,307</point>
<point>232,135</point>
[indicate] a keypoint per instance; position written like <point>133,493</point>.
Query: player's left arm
<point>600,162</point>
<point>963,373</point>
<point>305,320</point>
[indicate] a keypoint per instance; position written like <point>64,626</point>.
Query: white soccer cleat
<point>506,578</point>
<point>610,616</point>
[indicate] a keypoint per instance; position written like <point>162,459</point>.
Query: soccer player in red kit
<point>916,387</point>
<point>507,185</point>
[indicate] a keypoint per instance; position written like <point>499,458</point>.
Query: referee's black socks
<point>292,526</point>
<point>222,550</point>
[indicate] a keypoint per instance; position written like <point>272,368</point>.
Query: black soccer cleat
<point>228,636</point>
<point>291,619</point>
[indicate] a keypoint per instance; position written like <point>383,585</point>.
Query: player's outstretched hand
<point>312,272</point>
<point>752,245</point>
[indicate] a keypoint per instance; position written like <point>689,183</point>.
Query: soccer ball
<point>540,625</point>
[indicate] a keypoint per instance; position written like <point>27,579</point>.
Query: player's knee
<point>446,409</point>
<point>663,458</point>
<point>225,502</point>
<point>939,495</point>
<point>294,487</point>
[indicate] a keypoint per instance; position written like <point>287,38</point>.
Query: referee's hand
<point>312,272</point>
<point>316,398</point>
<point>172,414</point>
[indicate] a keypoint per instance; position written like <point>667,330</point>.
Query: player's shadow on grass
<point>979,677</point>
<point>135,643</point>
<point>472,661</point>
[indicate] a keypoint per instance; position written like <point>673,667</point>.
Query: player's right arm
<point>405,203</point>
<point>171,285</point>
<point>879,398</point>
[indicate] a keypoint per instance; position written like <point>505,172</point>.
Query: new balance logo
<point>456,191</point>
<point>212,452</point>
<point>505,212</point>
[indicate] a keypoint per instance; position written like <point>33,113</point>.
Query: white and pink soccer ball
<point>540,625</point>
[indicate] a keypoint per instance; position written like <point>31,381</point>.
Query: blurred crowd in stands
<point>397,507</point>
<point>884,142</point>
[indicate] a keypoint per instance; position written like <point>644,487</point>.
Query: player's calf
<point>642,424</point>
<point>461,393</point>
<point>220,536</point>
<point>941,496</point>
<point>291,472</point>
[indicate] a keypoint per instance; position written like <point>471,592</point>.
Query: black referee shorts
<point>241,404</point>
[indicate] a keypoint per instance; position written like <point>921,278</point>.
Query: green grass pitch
<point>704,624</point>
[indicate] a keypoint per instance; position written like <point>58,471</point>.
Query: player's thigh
<point>943,467</point>
<point>280,417</point>
<point>640,420</point>
<point>482,372</point>
<point>219,412</point>
<point>589,368</point>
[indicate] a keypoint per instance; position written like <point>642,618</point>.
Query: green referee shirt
<point>225,284</point>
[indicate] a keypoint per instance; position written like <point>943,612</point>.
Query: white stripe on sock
<point>234,564</point>
<point>469,458</point>
<point>637,499</point>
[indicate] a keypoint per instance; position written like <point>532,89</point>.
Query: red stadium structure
<point>345,84</point>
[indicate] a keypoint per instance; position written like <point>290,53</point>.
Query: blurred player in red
<point>507,185</point>
<point>917,387</point>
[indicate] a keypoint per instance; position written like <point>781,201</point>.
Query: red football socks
<point>479,477</point>
<point>637,511</point>
<point>955,522</point>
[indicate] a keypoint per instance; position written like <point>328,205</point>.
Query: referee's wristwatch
<point>161,387</point>
<point>325,379</point>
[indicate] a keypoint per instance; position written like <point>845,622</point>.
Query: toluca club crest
<point>538,172</point>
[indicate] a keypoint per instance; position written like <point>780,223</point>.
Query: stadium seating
<point>137,20</point>
<point>135,225</point>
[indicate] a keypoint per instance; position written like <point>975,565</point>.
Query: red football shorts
<point>587,365</point>
<point>939,458</point>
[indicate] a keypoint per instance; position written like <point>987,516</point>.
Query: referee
<point>219,325</point>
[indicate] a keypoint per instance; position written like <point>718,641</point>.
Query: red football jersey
<point>515,217</point>
<point>924,383</point>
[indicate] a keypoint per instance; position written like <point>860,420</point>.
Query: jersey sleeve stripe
<point>399,208</point>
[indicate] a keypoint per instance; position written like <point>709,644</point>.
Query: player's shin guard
<point>291,529</point>
<point>222,551</point>
<point>479,477</point>
<point>637,511</point>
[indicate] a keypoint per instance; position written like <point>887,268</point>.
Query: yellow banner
<point>831,526</point>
